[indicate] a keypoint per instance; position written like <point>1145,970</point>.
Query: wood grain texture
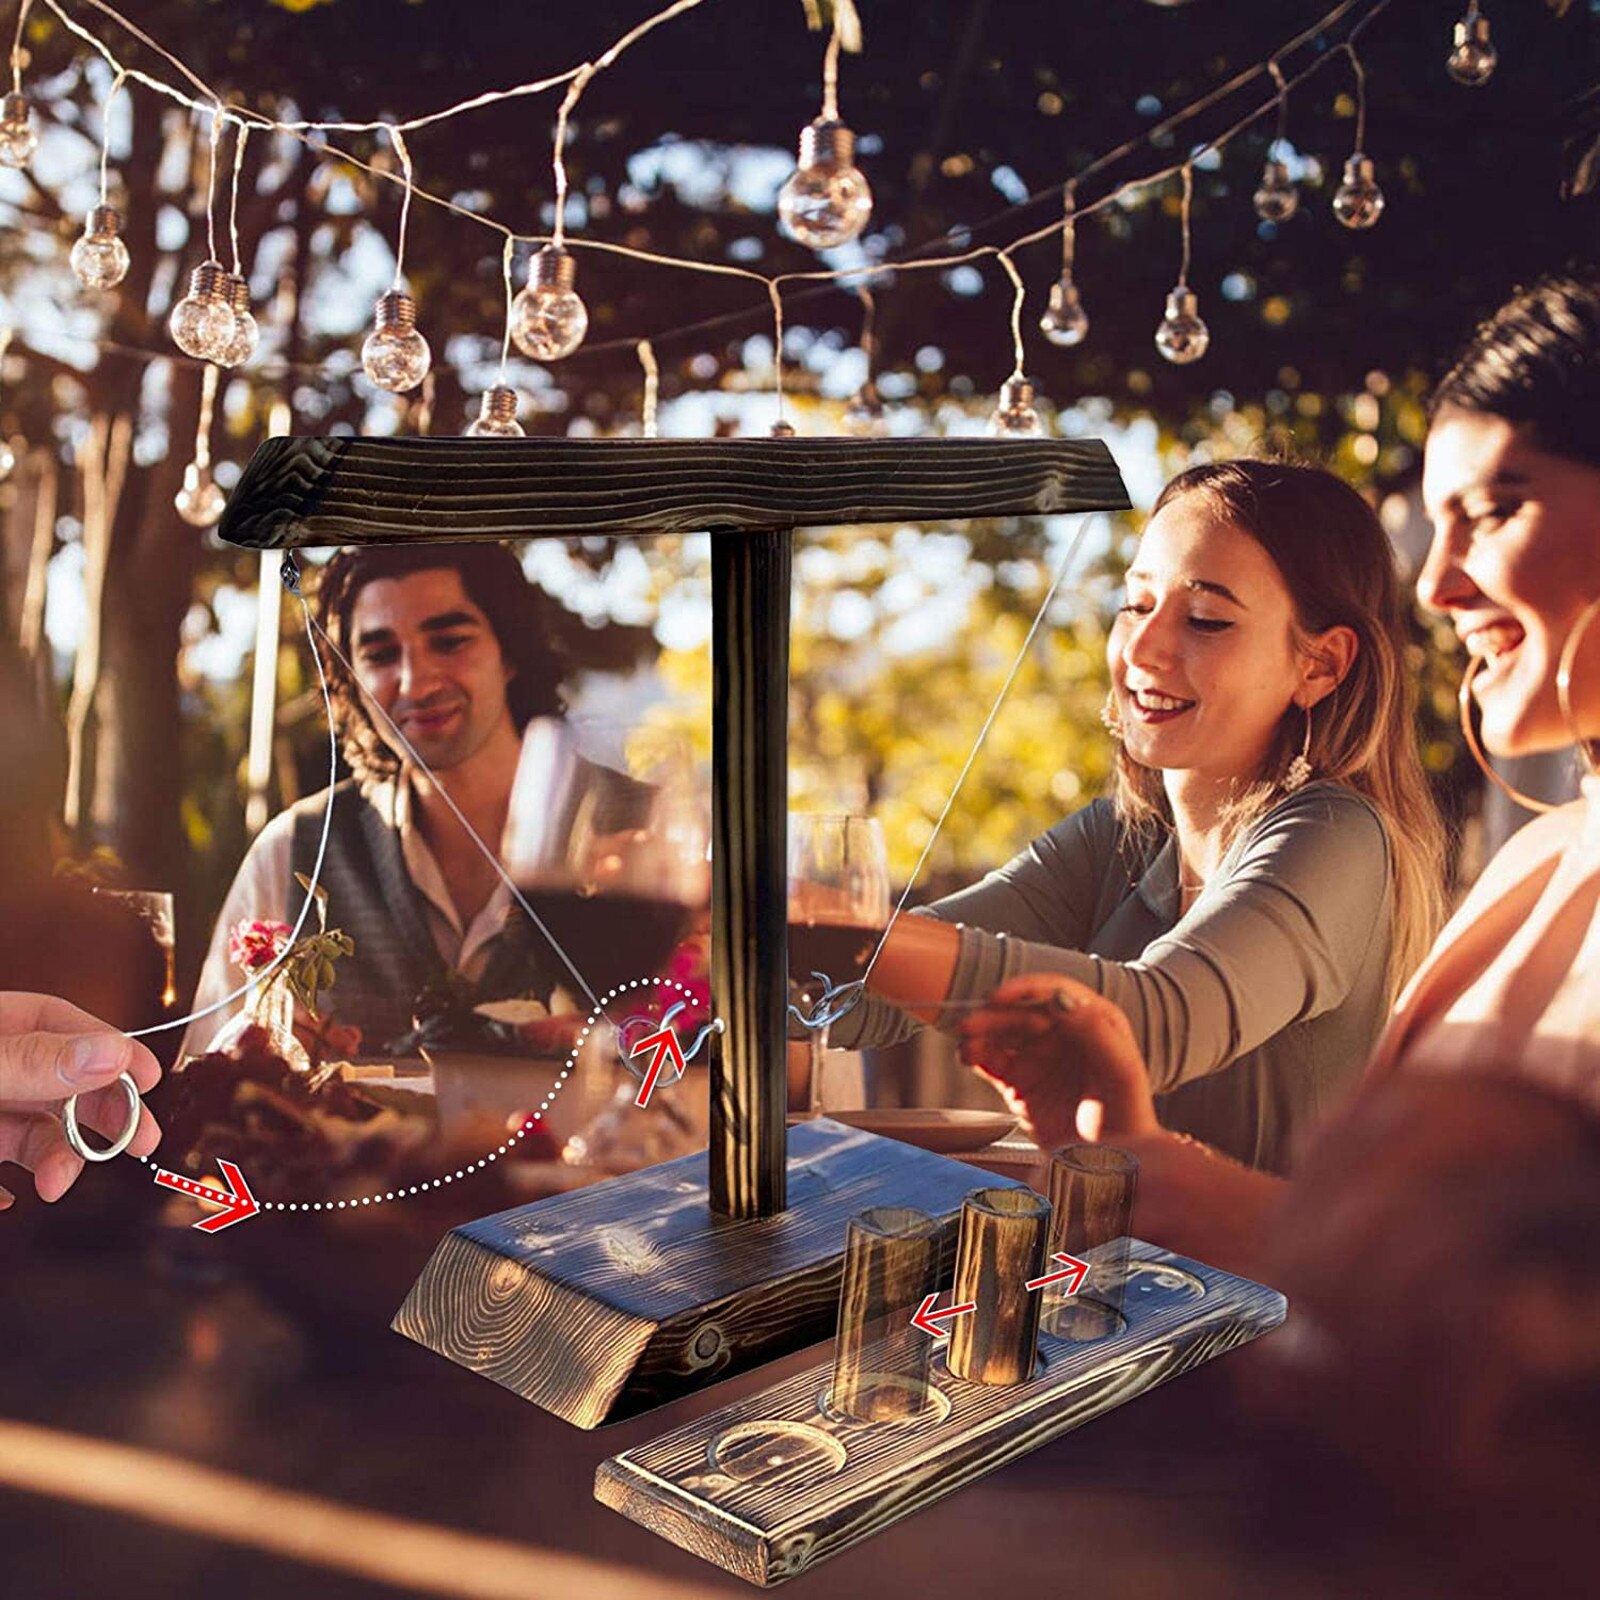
<point>770,1487</point>
<point>316,491</point>
<point>749,881</point>
<point>607,1301</point>
<point>1001,1244</point>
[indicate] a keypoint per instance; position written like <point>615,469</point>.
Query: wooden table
<point>222,1394</point>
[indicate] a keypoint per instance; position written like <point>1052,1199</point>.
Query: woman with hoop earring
<point>1511,988</point>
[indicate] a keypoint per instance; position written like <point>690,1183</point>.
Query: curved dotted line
<point>472,1166</point>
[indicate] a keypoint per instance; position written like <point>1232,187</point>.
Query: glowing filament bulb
<point>1276,199</point>
<point>1473,59</point>
<point>1182,337</point>
<point>200,502</point>
<point>99,257</point>
<point>395,356</point>
<point>497,415</point>
<point>1064,322</point>
<point>246,330</point>
<point>548,320</point>
<point>202,323</point>
<point>1358,203</point>
<point>826,201</point>
<point>18,137</point>
<point>1015,417</point>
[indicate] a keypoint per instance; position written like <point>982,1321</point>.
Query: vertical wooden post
<point>749,885</point>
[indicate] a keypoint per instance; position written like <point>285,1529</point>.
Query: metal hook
<point>289,571</point>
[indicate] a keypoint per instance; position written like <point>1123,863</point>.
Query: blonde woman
<point>1265,874</point>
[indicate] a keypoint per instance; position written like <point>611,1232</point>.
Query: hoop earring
<point>1569,659</point>
<point>1464,700</point>
<point>1298,774</point>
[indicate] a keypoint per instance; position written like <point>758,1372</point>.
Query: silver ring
<point>69,1121</point>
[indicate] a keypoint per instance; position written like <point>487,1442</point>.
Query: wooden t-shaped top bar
<point>748,493</point>
<point>299,492</point>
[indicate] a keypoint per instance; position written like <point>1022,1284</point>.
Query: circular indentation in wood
<point>757,1452</point>
<point>1157,1277</point>
<point>1083,1321</point>
<point>902,1400</point>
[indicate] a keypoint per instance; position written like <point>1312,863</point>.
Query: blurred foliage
<point>1323,341</point>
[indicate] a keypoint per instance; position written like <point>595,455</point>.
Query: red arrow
<point>238,1204</point>
<point>928,1320</point>
<point>1076,1270</point>
<point>666,1044</point>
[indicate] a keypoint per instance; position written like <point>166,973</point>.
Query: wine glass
<point>838,909</point>
<point>607,841</point>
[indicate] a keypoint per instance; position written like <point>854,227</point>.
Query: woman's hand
<point>1065,1059</point>
<point>49,1051</point>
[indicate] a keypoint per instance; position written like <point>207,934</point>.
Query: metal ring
<point>1569,659</point>
<point>69,1121</point>
<point>1464,699</point>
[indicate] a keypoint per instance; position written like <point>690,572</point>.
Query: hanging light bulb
<point>246,330</point>
<point>497,415</point>
<point>1015,417</point>
<point>1474,57</point>
<point>202,322</point>
<point>99,258</point>
<point>548,320</point>
<point>200,502</point>
<point>826,201</point>
<point>782,429</point>
<point>1182,336</point>
<point>864,414</point>
<point>395,356</point>
<point>1276,199</point>
<point>1064,322</point>
<point>18,138</point>
<point>8,460</point>
<point>1359,201</point>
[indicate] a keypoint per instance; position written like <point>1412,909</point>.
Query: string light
<point>497,415</point>
<point>1182,337</point>
<point>1065,322</point>
<point>394,355</point>
<point>864,414</point>
<point>548,319</point>
<point>826,201</point>
<point>497,411</point>
<point>18,137</point>
<point>200,502</point>
<point>1473,59</point>
<point>99,258</point>
<point>1358,201</point>
<point>1015,416</point>
<point>202,323</point>
<point>578,77</point>
<point>1276,199</point>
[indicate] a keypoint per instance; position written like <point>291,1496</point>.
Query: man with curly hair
<point>450,647</point>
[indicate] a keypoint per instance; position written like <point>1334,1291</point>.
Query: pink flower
<point>256,943</point>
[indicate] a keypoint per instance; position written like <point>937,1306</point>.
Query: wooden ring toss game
<point>753,1231</point>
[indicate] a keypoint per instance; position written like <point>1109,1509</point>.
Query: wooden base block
<point>602,1303</point>
<point>771,1486</point>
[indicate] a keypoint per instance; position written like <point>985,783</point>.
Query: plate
<point>948,1132</point>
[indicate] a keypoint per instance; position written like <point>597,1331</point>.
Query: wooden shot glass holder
<point>769,1487</point>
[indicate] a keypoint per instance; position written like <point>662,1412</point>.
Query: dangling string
<point>776,298</point>
<point>292,583</point>
<point>652,388</point>
<point>1019,295</point>
<point>508,263</point>
<point>837,999</point>
<point>1183,222</point>
<point>105,133</point>
<point>398,139</point>
<point>233,200</point>
<point>211,183</point>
